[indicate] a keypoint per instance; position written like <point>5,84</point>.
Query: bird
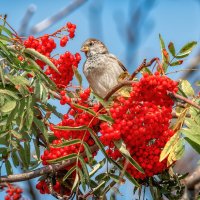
<point>101,68</point>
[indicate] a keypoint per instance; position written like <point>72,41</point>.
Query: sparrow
<point>101,69</point>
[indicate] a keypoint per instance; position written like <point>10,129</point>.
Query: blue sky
<point>176,20</point>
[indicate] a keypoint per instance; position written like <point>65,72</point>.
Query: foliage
<point>30,78</point>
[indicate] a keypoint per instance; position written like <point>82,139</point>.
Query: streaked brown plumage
<point>101,68</point>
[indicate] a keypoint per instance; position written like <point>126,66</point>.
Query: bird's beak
<point>85,49</point>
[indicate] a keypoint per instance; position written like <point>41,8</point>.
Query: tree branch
<point>46,23</point>
<point>41,171</point>
<point>177,96</point>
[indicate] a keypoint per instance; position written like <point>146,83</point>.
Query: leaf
<point>97,167</point>
<point>76,182</point>
<point>41,57</point>
<point>88,110</point>
<point>85,170</point>
<point>193,144</point>
<point>182,55</point>
<point>82,179</point>
<point>115,177</point>
<point>105,118</point>
<point>98,143</point>
<point>65,158</point>
<point>168,146</point>
<point>69,172</point>
<point>128,176</point>
<point>8,106</point>
<point>122,148</point>
<point>178,62</point>
<point>88,153</point>
<point>9,93</point>
<point>187,48</point>
<point>70,128</point>
<point>41,127</point>
<point>165,56</point>
<point>187,88</point>
<point>15,159</point>
<point>68,143</point>
<point>2,75</point>
<point>162,44</point>
<point>176,152</point>
<point>77,75</point>
<point>8,167</point>
<point>37,149</point>
<point>27,154</point>
<point>172,49</point>
<point>6,30</point>
<point>29,119</point>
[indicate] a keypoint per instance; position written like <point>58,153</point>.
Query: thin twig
<point>46,23</point>
<point>177,96</point>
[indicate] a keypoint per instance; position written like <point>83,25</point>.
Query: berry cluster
<point>43,187</point>
<point>65,63</point>
<point>75,118</point>
<point>13,193</point>
<point>142,121</point>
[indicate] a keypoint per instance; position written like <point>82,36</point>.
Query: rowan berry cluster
<point>142,121</point>
<point>43,187</point>
<point>13,193</point>
<point>75,118</point>
<point>65,63</point>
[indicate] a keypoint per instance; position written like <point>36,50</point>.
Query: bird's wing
<point>119,62</point>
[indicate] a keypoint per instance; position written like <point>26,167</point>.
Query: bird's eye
<point>90,44</point>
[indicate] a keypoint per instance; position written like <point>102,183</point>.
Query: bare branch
<point>46,23</point>
<point>41,171</point>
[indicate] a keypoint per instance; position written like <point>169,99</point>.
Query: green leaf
<point>70,128</point>
<point>8,106</point>
<point>128,176</point>
<point>15,159</point>
<point>77,75</point>
<point>37,149</point>
<point>162,44</point>
<point>41,127</point>
<point>178,62</point>
<point>69,172</point>
<point>176,153</point>
<point>76,183</point>
<point>187,88</point>
<point>97,167</point>
<point>88,153</point>
<point>84,167</point>
<point>115,177</point>
<point>182,55</point>
<point>88,110</point>
<point>122,148</point>
<point>29,119</point>
<point>98,143</point>
<point>8,167</point>
<point>2,75</point>
<point>68,143</point>
<point>172,49</point>
<point>27,154</point>
<point>82,178</point>
<point>193,144</point>
<point>105,118</point>
<point>6,30</point>
<point>65,158</point>
<point>9,93</point>
<point>41,57</point>
<point>168,146</point>
<point>188,47</point>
